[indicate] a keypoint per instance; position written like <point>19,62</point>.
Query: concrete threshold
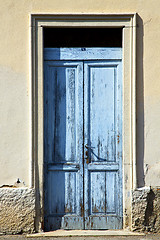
<point>81,233</point>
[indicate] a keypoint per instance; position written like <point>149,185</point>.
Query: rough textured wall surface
<point>17,210</point>
<point>16,90</point>
<point>146,210</point>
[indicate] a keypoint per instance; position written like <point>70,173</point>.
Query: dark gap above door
<point>82,37</point>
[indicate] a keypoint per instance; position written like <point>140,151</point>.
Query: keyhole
<point>87,158</point>
<point>86,153</point>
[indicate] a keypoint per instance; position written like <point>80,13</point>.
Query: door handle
<point>89,147</point>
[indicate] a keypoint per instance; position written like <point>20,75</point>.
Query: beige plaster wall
<point>15,91</point>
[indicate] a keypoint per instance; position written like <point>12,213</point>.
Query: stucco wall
<point>15,91</point>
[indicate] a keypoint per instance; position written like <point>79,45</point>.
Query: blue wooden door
<point>83,138</point>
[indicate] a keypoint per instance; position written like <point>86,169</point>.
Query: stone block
<point>17,210</point>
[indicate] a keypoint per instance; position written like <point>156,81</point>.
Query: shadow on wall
<point>140,105</point>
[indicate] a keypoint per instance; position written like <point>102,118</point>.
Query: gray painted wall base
<point>146,210</point>
<point>17,210</point>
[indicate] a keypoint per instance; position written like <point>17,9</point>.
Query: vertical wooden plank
<point>70,192</point>
<point>111,192</point>
<point>49,113</point>
<point>97,193</point>
<point>60,122</point>
<point>56,193</point>
<point>70,114</point>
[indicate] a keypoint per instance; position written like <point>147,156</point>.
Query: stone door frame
<point>128,23</point>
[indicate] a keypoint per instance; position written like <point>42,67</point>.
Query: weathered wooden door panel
<point>100,81</point>
<point>63,127</point>
<point>83,138</point>
<point>103,141</point>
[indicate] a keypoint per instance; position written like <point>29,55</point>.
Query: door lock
<point>87,157</point>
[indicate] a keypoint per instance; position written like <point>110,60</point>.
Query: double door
<point>83,138</point>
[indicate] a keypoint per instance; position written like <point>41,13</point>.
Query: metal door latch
<point>89,146</point>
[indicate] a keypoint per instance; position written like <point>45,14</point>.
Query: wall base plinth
<point>17,210</point>
<point>146,210</point>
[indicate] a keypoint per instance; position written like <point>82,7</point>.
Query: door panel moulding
<point>128,23</point>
